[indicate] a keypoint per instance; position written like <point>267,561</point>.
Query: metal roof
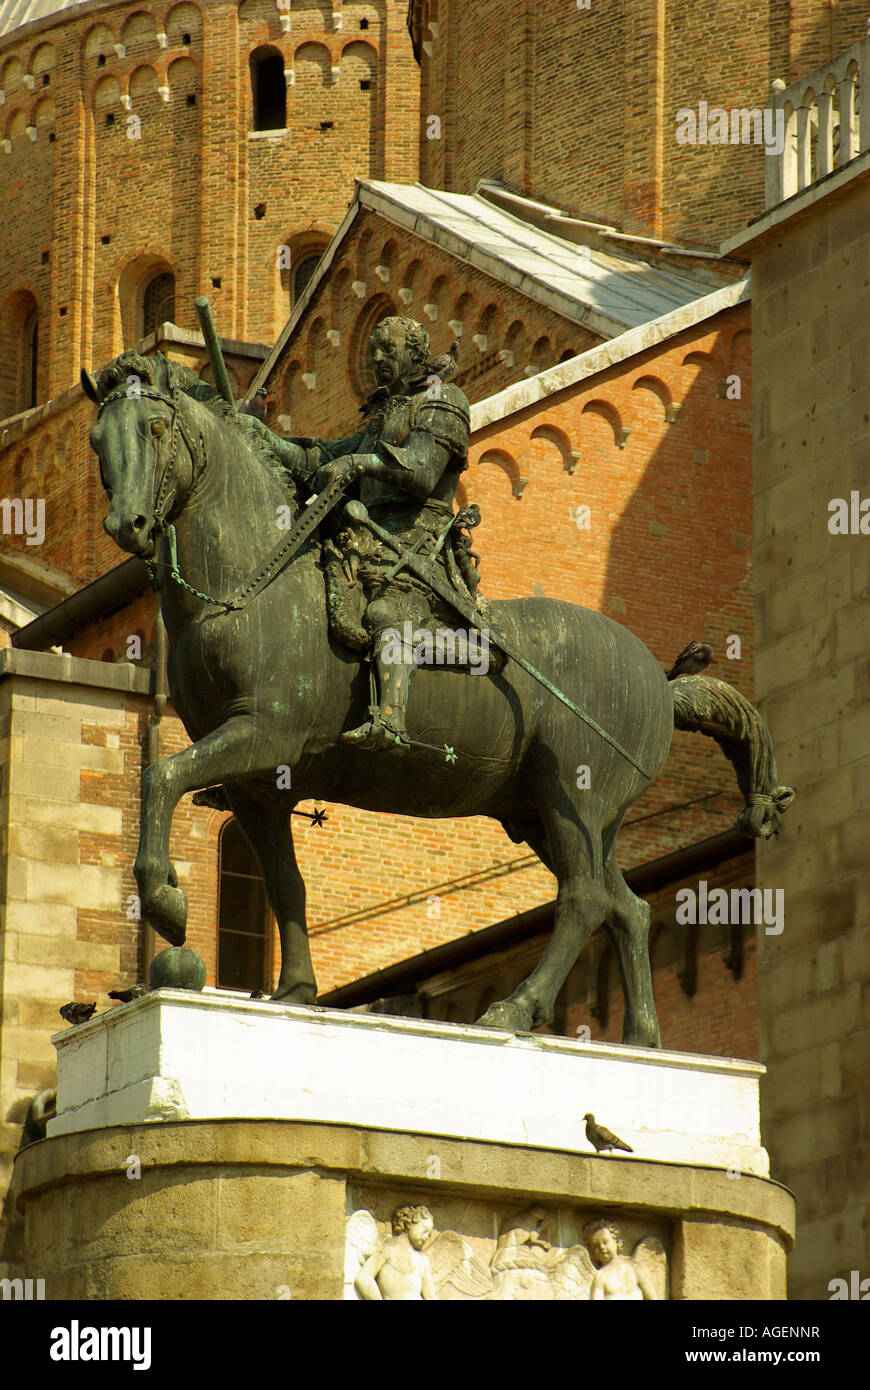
<point>15,13</point>
<point>608,290</point>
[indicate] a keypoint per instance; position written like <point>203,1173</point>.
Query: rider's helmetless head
<point>400,350</point>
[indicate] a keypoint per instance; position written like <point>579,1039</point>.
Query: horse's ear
<point>89,386</point>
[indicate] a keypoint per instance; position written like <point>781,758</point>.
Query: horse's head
<point>135,438</point>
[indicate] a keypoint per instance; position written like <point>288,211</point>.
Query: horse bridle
<point>280,557</point>
<point>197,454</point>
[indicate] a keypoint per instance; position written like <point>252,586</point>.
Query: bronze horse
<point>266,687</point>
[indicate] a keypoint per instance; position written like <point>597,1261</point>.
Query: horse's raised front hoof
<point>167,913</point>
<point>508,1015</point>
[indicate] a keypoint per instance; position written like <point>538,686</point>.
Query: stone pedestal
<point>211,1148</point>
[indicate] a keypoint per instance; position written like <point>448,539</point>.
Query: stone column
<point>47,869</point>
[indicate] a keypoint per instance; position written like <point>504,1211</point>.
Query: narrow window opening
<point>269,88</point>
<point>31,360</point>
<point>158,303</point>
<point>244,921</point>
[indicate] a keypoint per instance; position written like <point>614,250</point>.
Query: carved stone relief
<point>469,1250</point>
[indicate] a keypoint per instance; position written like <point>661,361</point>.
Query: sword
<point>359,513</point>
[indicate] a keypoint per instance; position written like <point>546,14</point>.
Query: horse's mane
<point>159,372</point>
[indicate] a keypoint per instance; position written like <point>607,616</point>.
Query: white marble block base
<point>176,1055</point>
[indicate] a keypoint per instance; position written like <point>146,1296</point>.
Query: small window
<point>110,118</point>
<point>43,258</point>
<point>191,99</point>
<point>365,84</point>
<point>244,919</point>
<point>158,302</point>
<point>302,273</point>
<point>31,360</point>
<point>46,78</point>
<point>327,125</point>
<point>364,24</point>
<point>101,60</point>
<point>269,89</point>
<point>185,39</point>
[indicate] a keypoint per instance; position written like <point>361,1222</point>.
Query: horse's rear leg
<point>627,930</point>
<point>267,826</point>
<point>582,905</point>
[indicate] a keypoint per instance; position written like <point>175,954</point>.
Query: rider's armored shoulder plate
<point>443,411</point>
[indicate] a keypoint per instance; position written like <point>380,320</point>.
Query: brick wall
<point>96,202</point>
<point>578,106</point>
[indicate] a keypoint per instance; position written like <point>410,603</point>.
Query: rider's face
<point>391,360</point>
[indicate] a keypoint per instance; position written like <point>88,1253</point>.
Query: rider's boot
<point>386,727</point>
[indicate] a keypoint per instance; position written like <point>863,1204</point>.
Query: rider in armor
<point>408,457</point>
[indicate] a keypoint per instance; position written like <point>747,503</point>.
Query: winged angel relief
<point>414,1261</point>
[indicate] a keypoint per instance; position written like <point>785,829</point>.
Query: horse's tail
<point>705,705</point>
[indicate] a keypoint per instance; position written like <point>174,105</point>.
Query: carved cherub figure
<point>398,1270</point>
<point>618,1276</point>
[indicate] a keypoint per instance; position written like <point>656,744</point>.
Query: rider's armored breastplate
<point>393,427</point>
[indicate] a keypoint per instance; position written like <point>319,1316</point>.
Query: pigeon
<point>127,995</point>
<point>256,406</point>
<point>602,1138</point>
<point>446,363</point>
<point>77,1013</point>
<point>258,994</point>
<point>691,660</point>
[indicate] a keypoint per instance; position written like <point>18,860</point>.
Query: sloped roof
<point>15,13</point>
<point>613,288</point>
<point>607,291</point>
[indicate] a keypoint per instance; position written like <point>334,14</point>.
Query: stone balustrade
<point>822,120</point>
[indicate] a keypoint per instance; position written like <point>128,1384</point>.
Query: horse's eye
<point>158,426</point>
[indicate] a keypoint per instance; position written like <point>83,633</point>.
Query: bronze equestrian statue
<point>262,678</point>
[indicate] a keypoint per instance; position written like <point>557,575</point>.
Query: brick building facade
<point>138,144</point>
<point>577,103</point>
